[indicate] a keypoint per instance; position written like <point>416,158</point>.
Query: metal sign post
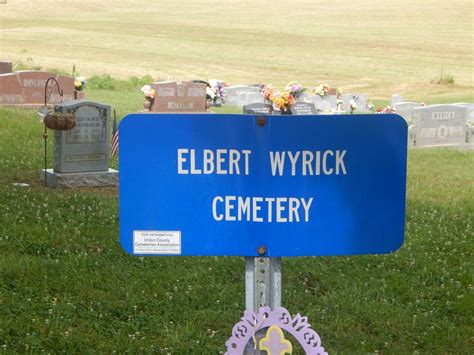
<point>262,288</point>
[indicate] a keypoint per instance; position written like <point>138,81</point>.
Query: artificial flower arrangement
<point>322,90</point>
<point>386,109</point>
<point>79,83</point>
<point>282,101</point>
<point>216,91</point>
<point>267,93</point>
<point>295,89</point>
<point>149,92</point>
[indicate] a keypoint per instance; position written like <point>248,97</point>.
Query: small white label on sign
<point>157,242</point>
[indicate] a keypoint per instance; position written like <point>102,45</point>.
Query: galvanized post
<point>262,288</point>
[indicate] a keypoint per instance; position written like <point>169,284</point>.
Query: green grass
<point>66,285</point>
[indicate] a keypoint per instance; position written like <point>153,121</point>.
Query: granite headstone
<point>236,95</point>
<point>406,110</point>
<point>26,88</point>
<point>303,108</point>
<point>440,125</point>
<point>184,97</point>
<point>81,155</point>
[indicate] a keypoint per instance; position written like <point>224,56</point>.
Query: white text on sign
<point>261,209</point>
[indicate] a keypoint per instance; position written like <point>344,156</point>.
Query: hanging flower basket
<point>60,121</point>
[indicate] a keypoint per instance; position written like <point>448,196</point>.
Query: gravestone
<point>360,99</point>
<point>26,89</point>
<point>303,108</point>
<point>440,125</point>
<point>324,103</point>
<point>258,109</point>
<point>184,97</point>
<point>304,97</point>
<point>395,99</point>
<point>236,95</point>
<point>81,155</point>
<point>253,98</point>
<point>470,111</point>
<point>6,67</point>
<point>406,110</point>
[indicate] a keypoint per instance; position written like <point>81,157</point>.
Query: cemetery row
<point>81,154</point>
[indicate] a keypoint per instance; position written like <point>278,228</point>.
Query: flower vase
<point>147,104</point>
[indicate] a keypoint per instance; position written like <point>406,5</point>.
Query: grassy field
<point>66,285</point>
<point>379,48</point>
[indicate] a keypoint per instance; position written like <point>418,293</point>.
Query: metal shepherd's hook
<point>47,96</point>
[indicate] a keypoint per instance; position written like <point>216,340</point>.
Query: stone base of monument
<point>87,179</point>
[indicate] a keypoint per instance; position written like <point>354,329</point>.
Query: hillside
<point>379,48</point>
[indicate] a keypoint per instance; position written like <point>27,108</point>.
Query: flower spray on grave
<point>216,91</point>
<point>149,93</point>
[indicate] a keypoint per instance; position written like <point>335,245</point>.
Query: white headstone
<point>406,110</point>
<point>236,95</point>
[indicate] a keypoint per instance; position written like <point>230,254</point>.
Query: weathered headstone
<point>406,110</point>
<point>303,108</point>
<point>360,99</point>
<point>440,125</point>
<point>395,99</point>
<point>26,88</point>
<point>236,95</point>
<point>258,109</point>
<point>6,67</point>
<point>81,154</point>
<point>184,97</point>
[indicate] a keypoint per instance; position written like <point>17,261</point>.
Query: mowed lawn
<point>66,285</point>
<point>375,47</point>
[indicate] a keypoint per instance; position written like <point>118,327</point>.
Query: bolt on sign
<point>200,184</point>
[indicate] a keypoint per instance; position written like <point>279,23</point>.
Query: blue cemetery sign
<point>218,184</point>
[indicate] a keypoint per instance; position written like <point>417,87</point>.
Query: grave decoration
<point>360,101</point>
<point>218,88</point>
<point>26,89</point>
<point>170,96</point>
<point>149,93</point>
<point>81,154</point>
<point>247,185</point>
<point>295,89</point>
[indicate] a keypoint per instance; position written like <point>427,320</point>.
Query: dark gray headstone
<point>258,109</point>
<point>439,125</point>
<point>85,148</point>
<point>303,108</point>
